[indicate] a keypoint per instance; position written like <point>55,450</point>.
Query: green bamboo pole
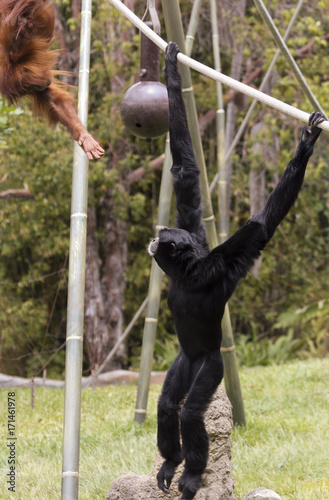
<point>174,27</point>
<point>287,55</point>
<point>215,75</point>
<point>191,30</point>
<point>154,293</point>
<point>261,88</point>
<point>220,129</point>
<point>231,374</point>
<point>232,382</point>
<point>76,286</point>
<point>121,339</point>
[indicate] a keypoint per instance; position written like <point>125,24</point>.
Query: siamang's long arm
<point>185,171</point>
<point>236,256</point>
<point>285,193</point>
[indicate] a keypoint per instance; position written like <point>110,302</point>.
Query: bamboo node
<point>79,214</point>
<point>188,89</point>
<point>70,473</point>
<point>74,337</point>
<point>227,349</point>
<point>140,411</point>
<point>208,219</point>
<point>151,320</point>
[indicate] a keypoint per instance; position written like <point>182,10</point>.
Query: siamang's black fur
<point>201,282</point>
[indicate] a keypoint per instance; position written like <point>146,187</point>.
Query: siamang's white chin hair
<point>153,246</point>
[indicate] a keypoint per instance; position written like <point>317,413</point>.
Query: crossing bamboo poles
<point>216,75</point>
<point>174,29</point>
<point>189,44</point>
<point>268,21</point>
<point>76,286</point>
<point>261,88</point>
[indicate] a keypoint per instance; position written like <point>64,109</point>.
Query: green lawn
<point>284,447</point>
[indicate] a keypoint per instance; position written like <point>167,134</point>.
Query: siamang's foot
<point>312,132</point>
<point>189,484</point>
<point>165,475</point>
<point>91,147</point>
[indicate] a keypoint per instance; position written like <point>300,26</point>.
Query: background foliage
<point>281,314</point>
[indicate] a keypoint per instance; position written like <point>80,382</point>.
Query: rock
<point>217,481</point>
<point>262,494</point>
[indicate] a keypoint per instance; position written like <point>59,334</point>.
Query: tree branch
<point>137,174</point>
<point>16,193</point>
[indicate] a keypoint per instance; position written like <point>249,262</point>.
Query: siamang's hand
<point>171,53</point>
<point>171,71</point>
<point>312,132</point>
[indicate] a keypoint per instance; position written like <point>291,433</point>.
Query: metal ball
<point>144,109</point>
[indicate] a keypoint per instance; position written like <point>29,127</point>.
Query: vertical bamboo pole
<point>220,128</point>
<point>76,287</point>
<point>154,293</point>
<point>191,30</point>
<point>268,21</point>
<point>231,374</point>
<point>174,27</point>
<point>261,88</point>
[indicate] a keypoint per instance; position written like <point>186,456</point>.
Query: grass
<point>284,446</point>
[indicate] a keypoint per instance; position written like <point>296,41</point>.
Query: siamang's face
<point>174,250</point>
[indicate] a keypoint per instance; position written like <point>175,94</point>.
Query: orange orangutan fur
<point>27,66</point>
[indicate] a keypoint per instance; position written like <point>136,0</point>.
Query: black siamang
<point>201,282</point>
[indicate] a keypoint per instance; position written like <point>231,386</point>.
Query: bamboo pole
<point>220,129</point>
<point>215,75</point>
<point>175,32</point>
<point>287,55</point>
<point>174,28</point>
<point>261,88</point>
<point>76,286</point>
<point>231,373</point>
<point>191,30</point>
<point>121,339</point>
<point>232,382</point>
<point>172,17</point>
<point>154,293</point>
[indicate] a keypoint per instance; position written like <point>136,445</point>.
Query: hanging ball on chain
<point>144,109</point>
